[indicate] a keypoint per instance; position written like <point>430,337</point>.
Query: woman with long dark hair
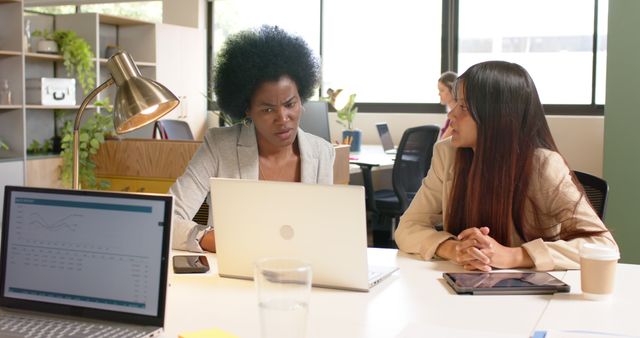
<point>506,197</point>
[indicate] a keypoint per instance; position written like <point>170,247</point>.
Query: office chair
<point>596,190</point>
<point>179,130</point>
<point>173,130</point>
<point>315,119</point>
<point>413,159</point>
<point>202,215</point>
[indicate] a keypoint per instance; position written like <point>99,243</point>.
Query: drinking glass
<point>283,286</point>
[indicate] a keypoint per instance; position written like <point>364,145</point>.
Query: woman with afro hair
<point>262,77</point>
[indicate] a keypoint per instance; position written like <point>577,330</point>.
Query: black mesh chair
<point>180,130</point>
<point>596,190</point>
<point>413,159</point>
<point>202,215</point>
<point>173,130</point>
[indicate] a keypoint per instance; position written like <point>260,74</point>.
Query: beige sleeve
<point>189,191</point>
<point>555,194</point>
<point>416,232</point>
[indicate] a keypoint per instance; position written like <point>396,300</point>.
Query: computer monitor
<point>315,119</point>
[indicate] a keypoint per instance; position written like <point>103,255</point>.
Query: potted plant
<point>92,136</point>
<point>37,148</point>
<point>76,53</point>
<point>346,114</point>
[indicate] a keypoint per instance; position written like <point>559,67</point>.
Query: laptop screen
<point>385,136</point>
<point>86,249</point>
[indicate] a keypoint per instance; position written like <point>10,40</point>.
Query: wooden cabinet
<point>143,165</point>
<point>153,165</point>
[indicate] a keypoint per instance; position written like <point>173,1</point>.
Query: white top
<point>414,302</point>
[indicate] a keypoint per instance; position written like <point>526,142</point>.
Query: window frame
<point>449,61</point>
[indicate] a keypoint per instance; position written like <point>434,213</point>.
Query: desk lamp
<point>139,101</point>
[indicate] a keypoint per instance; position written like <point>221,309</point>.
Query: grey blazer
<point>232,152</point>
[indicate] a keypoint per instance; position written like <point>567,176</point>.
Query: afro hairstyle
<point>250,58</point>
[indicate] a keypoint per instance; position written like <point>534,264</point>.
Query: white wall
<point>188,13</point>
<point>579,138</point>
<point>182,60</point>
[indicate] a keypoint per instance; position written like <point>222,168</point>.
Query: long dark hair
<point>491,184</point>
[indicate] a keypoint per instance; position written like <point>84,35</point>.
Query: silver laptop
<point>385,138</point>
<point>322,224</point>
<point>83,263</point>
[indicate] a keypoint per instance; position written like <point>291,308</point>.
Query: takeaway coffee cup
<point>598,270</point>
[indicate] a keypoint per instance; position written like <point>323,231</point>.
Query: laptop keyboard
<point>12,325</point>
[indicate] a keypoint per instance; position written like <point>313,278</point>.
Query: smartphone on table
<point>190,264</point>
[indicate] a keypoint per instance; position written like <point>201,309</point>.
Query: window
<point>384,52</point>
<point>555,46</point>
<point>142,10</point>
<point>601,54</point>
<point>300,17</point>
<point>53,10</point>
<point>391,53</point>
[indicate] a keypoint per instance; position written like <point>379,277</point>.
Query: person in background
<point>503,192</point>
<point>262,77</point>
<point>445,91</point>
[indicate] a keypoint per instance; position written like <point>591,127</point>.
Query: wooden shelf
<point>10,157</point>
<point>41,107</point>
<point>5,1</point>
<point>34,157</point>
<point>10,106</point>
<point>120,21</point>
<point>9,52</point>
<point>43,56</point>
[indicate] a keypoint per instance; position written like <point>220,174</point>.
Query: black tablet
<point>504,283</point>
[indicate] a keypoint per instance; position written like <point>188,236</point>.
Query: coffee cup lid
<point>595,251</point>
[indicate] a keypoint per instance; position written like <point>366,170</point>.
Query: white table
<point>619,315</point>
<point>373,155</point>
<point>414,302</point>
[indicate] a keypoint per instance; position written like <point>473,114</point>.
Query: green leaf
<point>99,137</point>
<point>95,144</point>
<point>84,137</point>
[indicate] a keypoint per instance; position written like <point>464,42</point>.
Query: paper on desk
<point>578,334</point>
<point>208,333</point>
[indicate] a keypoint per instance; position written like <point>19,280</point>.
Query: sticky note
<point>207,333</point>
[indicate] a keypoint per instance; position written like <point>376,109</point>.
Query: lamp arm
<point>76,130</point>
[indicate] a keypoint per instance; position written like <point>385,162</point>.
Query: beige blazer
<point>232,152</point>
<point>551,189</point>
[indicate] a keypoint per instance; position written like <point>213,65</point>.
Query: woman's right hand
<point>208,241</point>
<point>474,249</point>
<point>470,250</point>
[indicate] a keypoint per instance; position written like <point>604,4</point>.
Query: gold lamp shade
<point>139,101</point>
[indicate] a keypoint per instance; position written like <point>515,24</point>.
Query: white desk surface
<point>414,302</point>
<point>374,155</point>
<point>619,315</point>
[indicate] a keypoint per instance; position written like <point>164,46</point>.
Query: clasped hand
<point>477,250</point>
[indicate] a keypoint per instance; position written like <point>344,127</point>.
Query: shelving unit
<point>22,122</point>
<point>12,117</point>
<point>180,51</point>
